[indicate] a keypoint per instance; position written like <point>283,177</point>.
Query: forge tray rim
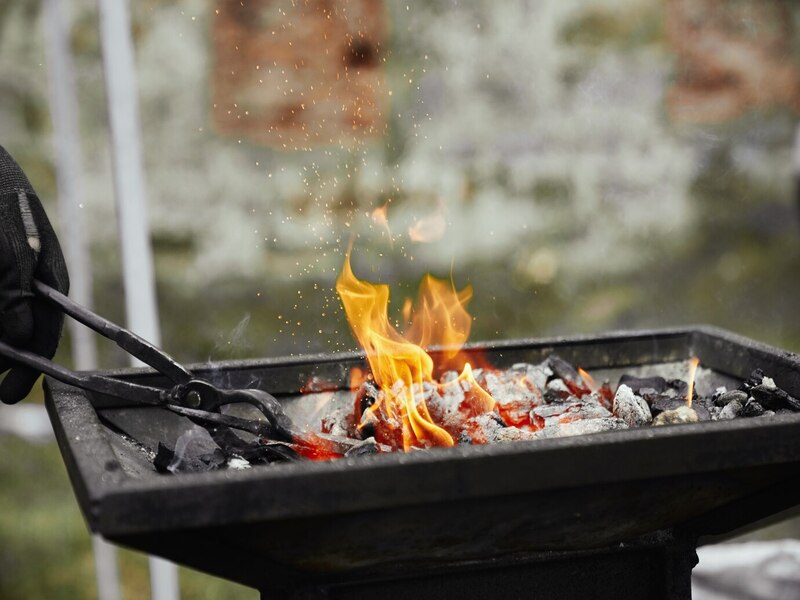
<point>517,343</point>
<point>103,496</point>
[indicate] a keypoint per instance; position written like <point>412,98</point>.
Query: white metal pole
<point>796,154</point>
<point>796,166</point>
<point>69,173</point>
<point>129,188</point>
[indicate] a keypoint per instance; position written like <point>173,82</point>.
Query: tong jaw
<point>201,395</point>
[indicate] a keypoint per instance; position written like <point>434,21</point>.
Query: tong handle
<point>127,340</point>
<point>141,394</point>
<point>196,398</point>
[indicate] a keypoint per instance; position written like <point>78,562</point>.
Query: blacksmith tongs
<point>192,397</point>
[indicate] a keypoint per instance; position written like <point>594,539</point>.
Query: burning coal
<point>409,401</point>
<point>402,371</point>
<point>412,398</point>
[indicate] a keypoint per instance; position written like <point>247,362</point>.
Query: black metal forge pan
<point>274,526</point>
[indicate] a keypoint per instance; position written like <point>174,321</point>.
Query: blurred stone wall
<point>732,57</point>
<point>560,137</point>
<point>299,74</point>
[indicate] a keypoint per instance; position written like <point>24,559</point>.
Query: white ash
<point>573,410</point>
<point>487,426</point>
<point>398,387</point>
<point>335,422</point>
<point>539,374</point>
<point>426,394</point>
<point>585,408</point>
<point>682,414</point>
<point>595,397</point>
<point>150,454</point>
<point>731,410</point>
<point>445,404</point>
<point>508,391</point>
<point>558,385</point>
<point>237,463</point>
<point>549,414</point>
<point>503,377</point>
<point>370,420</point>
<point>448,376</point>
<point>581,427</point>
<point>514,434</point>
<point>768,382</point>
<point>452,392</point>
<point>631,408</point>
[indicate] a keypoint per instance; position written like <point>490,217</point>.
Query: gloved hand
<point>29,250</point>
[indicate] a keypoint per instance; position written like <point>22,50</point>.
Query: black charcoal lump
<point>752,409</point>
<point>728,397</point>
<point>680,387</point>
<point>364,448</point>
<point>170,461</point>
<point>639,384</point>
<point>661,404</point>
<point>756,378</point>
<point>562,369</point>
<point>774,398</point>
<point>703,408</point>
<point>195,451</point>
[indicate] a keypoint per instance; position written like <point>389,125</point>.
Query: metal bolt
<point>193,399</point>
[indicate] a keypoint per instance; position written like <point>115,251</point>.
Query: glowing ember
<point>693,363</point>
<point>412,402</point>
<point>407,400</point>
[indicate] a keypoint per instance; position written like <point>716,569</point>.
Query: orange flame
<point>380,216</point>
<point>398,362</point>
<point>408,304</point>
<point>440,318</point>
<point>693,363</point>
<point>482,401</point>
<point>357,377</point>
<point>588,379</point>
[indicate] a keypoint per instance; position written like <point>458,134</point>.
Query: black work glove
<point>28,250</point>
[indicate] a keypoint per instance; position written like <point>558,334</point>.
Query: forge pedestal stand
<point>656,566</point>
